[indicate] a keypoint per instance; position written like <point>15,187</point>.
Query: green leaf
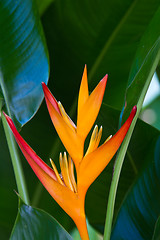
<point>40,134</point>
<point>144,65</point>
<point>1,103</point>
<point>141,208</point>
<point>144,73</point>
<point>156,235</point>
<point>32,223</point>
<point>23,58</point>
<point>104,35</point>
<point>97,196</point>
<point>43,5</point>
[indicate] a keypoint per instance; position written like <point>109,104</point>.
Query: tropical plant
<point>53,40</point>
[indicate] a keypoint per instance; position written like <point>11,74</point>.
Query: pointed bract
<point>94,163</point>
<point>51,98</point>
<point>27,150</point>
<point>88,113</point>
<point>63,195</point>
<point>68,135</point>
<point>83,92</point>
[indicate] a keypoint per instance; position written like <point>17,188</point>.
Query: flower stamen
<point>108,138</point>
<point>71,174</point>
<point>56,172</point>
<point>99,135</point>
<point>95,139</point>
<point>65,171</point>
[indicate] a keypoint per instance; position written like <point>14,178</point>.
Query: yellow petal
<point>88,113</point>
<point>95,162</point>
<point>71,174</point>
<point>99,135</point>
<point>72,142</point>
<point>65,171</point>
<point>95,139</point>
<point>108,138</point>
<point>56,172</point>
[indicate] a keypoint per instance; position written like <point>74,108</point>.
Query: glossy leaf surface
<point>23,58</point>
<point>144,65</point>
<point>104,35</point>
<point>135,159</point>
<point>141,208</point>
<point>32,223</point>
<point>143,69</point>
<point>156,235</point>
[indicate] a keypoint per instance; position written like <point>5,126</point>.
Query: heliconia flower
<point>68,192</point>
<point>88,107</point>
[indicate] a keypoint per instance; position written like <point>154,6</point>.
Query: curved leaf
<point>145,72</point>
<point>23,58</point>
<point>32,223</point>
<point>156,235</point>
<point>144,65</point>
<point>141,208</point>
<point>43,5</point>
<point>97,196</point>
<point>103,34</point>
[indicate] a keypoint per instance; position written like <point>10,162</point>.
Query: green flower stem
<point>20,180</point>
<point>115,180</point>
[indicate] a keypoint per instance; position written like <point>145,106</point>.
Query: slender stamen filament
<point>56,172</point>
<point>64,170</point>
<point>66,177</point>
<point>71,174</point>
<point>108,138</point>
<point>99,135</point>
<point>95,139</point>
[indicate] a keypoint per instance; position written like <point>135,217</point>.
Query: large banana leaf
<point>144,65</point>
<point>102,34</point>
<point>23,58</point>
<point>140,224</point>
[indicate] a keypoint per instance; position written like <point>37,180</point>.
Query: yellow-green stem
<point>18,171</point>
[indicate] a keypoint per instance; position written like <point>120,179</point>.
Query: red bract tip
<point>48,95</point>
<point>133,112</point>
<point>134,109</point>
